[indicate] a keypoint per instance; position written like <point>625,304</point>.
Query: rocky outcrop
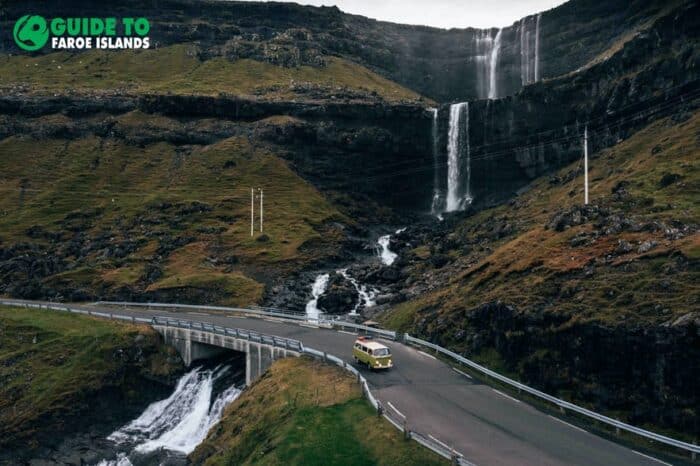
<point>646,371</point>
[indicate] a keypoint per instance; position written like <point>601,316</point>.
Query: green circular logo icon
<point>31,32</point>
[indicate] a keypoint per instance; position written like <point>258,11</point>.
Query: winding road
<point>487,426</point>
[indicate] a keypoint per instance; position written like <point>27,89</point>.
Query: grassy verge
<point>52,364</point>
<point>305,412</point>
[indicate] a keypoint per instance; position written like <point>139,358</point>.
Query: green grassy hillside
<point>157,217</point>
<point>302,412</point>
<point>52,364</point>
<point>178,70</point>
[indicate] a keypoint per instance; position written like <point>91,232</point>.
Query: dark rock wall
<point>516,139</point>
<point>446,65</point>
<point>648,372</point>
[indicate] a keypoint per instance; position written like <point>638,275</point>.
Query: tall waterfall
<point>486,51</point>
<point>529,49</point>
<point>458,193</point>
<point>537,48</point>
<point>435,205</point>
<point>493,62</point>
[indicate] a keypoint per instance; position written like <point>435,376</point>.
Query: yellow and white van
<point>371,353</point>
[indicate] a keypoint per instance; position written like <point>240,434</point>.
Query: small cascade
<point>317,289</point>
<point>366,295</point>
<point>457,146</point>
<point>493,65</point>
<point>437,196</point>
<point>529,49</point>
<point>385,254</point>
<point>172,428</point>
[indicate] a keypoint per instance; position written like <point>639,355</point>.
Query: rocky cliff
<point>446,65</point>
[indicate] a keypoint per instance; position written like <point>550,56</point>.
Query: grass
<point>102,186</point>
<point>51,362</point>
<point>176,69</point>
<point>305,412</point>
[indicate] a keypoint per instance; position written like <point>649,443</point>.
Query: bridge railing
<point>562,404</point>
<point>323,320</point>
<point>244,334</point>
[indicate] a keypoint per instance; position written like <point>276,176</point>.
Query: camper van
<point>371,353</point>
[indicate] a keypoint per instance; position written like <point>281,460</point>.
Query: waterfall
<point>493,62</point>
<point>178,423</point>
<point>529,52</point>
<point>317,289</point>
<point>366,297</point>
<point>435,205</point>
<point>537,48</point>
<point>456,194</point>
<point>385,254</point>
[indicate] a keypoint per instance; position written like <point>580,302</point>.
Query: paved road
<point>486,426</point>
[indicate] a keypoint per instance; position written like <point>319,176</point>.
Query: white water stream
<point>176,424</point>
<point>317,289</point>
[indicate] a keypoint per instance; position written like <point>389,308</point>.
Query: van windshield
<point>381,352</point>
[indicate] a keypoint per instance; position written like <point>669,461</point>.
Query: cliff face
<point>516,139</point>
<point>446,65</point>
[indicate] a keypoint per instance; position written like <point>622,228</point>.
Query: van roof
<point>371,344</point>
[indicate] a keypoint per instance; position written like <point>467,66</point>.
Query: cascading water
<point>537,48</point>
<point>170,429</point>
<point>435,205</point>
<point>317,289</point>
<point>366,295</point>
<point>385,254</point>
<point>493,63</point>
<point>457,195</point>
<point>486,52</point>
<point>529,51</point>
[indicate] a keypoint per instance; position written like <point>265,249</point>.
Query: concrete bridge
<point>198,341</point>
<point>198,344</point>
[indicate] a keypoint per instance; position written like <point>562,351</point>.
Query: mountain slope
<point>596,303</point>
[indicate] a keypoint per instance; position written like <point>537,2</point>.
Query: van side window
<point>369,351</point>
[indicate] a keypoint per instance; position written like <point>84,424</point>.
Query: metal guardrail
<point>250,335</point>
<point>262,312</point>
<point>562,404</point>
<point>565,405</point>
<point>273,340</point>
<point>432,444</point>
<point>281,342</point>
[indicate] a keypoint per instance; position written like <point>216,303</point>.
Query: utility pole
<point>252,210</point>
<point>585,165</point>
<point>261,210</point>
